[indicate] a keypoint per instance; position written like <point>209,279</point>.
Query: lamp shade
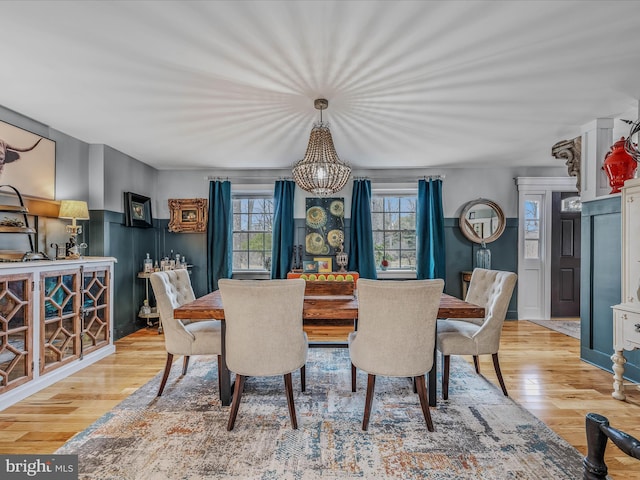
<point>77,209</point>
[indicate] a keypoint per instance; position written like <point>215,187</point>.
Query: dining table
<point>327,308</point>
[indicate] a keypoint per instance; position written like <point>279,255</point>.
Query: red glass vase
<point>619,166</point>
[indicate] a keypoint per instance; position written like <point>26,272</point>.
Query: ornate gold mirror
<point>482,221</point>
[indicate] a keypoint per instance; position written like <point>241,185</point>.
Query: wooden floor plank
<point>541,368</point>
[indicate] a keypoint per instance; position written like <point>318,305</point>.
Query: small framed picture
<point>137,210</point>
<point>188,215</point>
<point>309,266</point>
<point>324,264</point>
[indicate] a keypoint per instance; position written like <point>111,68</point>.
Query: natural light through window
<point>252,224</point>
<point>531,229</point>
<point>393,219</point>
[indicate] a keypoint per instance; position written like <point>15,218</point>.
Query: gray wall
<point>460,185</point>
<point>100,175</point>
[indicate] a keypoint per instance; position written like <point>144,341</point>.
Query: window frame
<point>399,194</point>
<point>266,253</point>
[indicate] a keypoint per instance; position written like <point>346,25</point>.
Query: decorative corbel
<point>570,151</point>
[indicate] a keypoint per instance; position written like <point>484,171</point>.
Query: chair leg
<point>424,401</point>
<point>476,364</point>
<point>371,385</point>
<point>219,376</point>
<point>496,365</point>
<point>235,404</point>
<point>353,377</point>
<point>445,376</point>
<point>185,364</point>
<point>303,378</point>
<point>167,369</point>
<point>292,407</point>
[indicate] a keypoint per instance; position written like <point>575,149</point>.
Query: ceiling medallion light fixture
<point>321,171</point>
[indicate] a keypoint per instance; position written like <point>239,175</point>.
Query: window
<point>531,229</point>
<point>393,220</point>
<point>252,224</point>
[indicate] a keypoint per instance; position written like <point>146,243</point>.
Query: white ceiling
<point>231,84</point>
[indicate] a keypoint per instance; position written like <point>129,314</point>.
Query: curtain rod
<point>403,179</point>
<point>270,179</point>
<point>246,177</point>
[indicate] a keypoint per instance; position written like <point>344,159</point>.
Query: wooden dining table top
<point>328,307</point>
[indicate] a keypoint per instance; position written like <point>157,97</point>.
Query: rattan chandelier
<point>321,171</point>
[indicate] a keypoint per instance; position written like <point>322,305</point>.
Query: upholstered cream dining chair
<point>396,334</point>
<point>491,289</point>
<point>264,335</point>
<point>172,289</point>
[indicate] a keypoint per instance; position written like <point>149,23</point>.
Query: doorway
<point>565,255</point>
<point>534,243</point>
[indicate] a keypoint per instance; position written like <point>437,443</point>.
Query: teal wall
<point>108,236</point>
<point>460,254</point>
<point>601,284</point>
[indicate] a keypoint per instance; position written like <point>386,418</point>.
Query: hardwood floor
<point>541,368</point>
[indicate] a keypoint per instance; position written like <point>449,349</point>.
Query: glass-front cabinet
<point>55,319</point>
<point>15,330</point>
<point>74,319</point>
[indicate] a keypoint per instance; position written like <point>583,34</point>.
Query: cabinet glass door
<point>60,318</point>
<point>15,330</point>
<point>95,322</point>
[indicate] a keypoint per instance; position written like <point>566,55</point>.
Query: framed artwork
<point>324,264</point>
<point>324,225</point>
<point>137,210</point>
<point>27,162</point>
<point>188,215</point>
<point>309,266</point>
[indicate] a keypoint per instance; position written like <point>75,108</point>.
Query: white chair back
<point>396,326</point>
<point>264,334</point>
<point>491,289</point>
<point>172,289</point>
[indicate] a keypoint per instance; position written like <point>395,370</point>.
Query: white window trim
<point>244,192</point>
<point>389,190</point>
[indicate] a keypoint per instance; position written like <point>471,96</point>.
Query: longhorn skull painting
<point>10,154</point>
<point>27,161</point>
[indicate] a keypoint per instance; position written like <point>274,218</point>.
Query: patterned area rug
<point>182,435</point>
<point>568,327</point>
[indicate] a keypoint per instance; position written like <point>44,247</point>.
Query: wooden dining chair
<point>172,289</point>
<point>396,335</point>
<point>264,335</point>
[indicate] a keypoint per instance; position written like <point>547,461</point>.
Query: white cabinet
<point>55,319</point>
<point>626,315</point>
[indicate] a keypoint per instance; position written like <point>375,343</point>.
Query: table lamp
<point>75,210</point>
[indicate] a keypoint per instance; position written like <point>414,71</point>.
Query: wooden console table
<point>465,279</point>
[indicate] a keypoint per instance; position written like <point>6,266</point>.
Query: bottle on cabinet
<point>148,265</point>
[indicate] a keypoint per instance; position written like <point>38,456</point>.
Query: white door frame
<point>534,276</point>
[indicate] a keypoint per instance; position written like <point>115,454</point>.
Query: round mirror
<point>482,220</point>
